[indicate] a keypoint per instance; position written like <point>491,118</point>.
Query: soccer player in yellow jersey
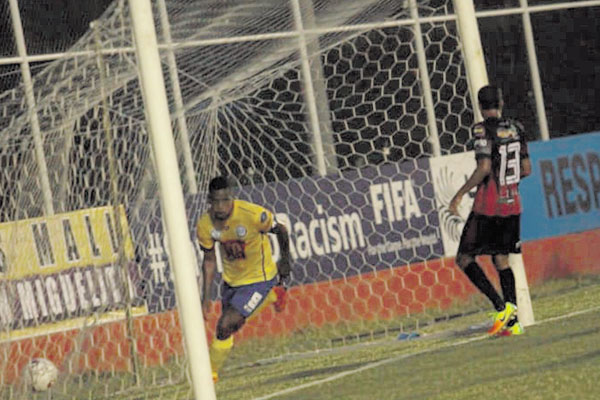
<point>249,271</point>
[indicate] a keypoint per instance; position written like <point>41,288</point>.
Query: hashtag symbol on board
<point>156,252</point>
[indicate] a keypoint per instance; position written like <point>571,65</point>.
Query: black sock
<point>507,281</point>
<point>477,276</point>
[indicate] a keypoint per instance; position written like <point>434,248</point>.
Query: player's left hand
<point>284,271</point>
<point>454,203</point>
<point>283,281</point>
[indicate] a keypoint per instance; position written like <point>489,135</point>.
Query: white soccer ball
<point>40,374</point>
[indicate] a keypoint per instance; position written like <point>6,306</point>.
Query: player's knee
<point>223,333</point>
<point>226,330</point>
<point>501,262</point>
<point>463,260</point>
<point>237,325</point>
<point>229,326</point>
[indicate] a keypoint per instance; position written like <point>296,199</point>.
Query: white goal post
<point>171,194</point>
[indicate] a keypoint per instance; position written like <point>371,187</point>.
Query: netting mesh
<point>370,78</point>
<point>241,111</point>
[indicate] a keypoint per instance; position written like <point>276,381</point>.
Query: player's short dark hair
<point>218,183</point>
<point>489,97</point>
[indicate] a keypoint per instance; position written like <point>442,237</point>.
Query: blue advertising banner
<point>340,225</point>
<point>343,225</point>
<point>563,194</point>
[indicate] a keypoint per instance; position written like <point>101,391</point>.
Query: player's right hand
<point>454,203</point>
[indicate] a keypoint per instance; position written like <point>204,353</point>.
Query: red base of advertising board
<point>386,294</point>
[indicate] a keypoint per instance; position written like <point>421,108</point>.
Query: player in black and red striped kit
<point>493,226</point>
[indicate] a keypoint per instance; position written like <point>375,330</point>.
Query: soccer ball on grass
<point>40,374</point>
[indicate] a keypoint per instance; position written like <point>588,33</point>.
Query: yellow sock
<point>271,298</point>
<point>219,350</point>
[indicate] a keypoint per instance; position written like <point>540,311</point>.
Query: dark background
<point>567,45</point>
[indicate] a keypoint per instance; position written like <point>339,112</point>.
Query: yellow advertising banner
<point>47,245</point>
<point>57,272</point>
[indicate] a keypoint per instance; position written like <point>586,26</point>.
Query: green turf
<point>558,358</point>
<point>554,360</point>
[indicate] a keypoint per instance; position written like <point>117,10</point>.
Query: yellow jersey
<point>245,248</point>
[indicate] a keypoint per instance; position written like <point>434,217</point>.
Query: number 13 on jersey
<point>510,163</point>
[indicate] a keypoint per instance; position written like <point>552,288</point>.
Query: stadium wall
<point>561,229</point>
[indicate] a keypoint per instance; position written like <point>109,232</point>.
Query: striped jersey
<point>502,140</point>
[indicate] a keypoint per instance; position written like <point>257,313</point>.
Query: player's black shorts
<point>484,234</point>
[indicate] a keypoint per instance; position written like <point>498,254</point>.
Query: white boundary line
<point>404,356</point>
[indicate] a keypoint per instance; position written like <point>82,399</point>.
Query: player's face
<point>221,204</point>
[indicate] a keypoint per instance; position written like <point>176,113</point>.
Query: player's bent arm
<point>525,167</point>
<point>283,238</point>
<point>484,167</point>
<point>209,265</point>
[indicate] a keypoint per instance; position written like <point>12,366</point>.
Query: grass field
<point>557,358</point>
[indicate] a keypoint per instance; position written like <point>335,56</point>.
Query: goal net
<point>86,280</point>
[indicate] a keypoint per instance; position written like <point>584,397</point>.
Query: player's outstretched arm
<point>209,265</point>
<point>284,264</point>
